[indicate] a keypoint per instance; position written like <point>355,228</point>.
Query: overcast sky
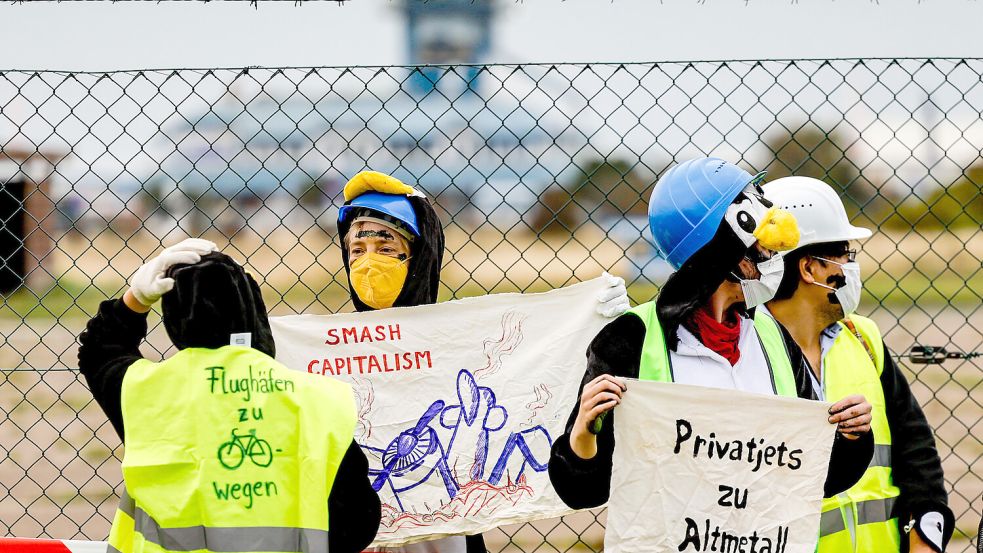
<point>147,35</point>
<point>105,36</point>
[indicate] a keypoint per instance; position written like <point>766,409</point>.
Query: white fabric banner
<point>458,402</point>
<point>703,469</point>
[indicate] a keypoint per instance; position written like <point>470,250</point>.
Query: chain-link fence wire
<point>540,174</point>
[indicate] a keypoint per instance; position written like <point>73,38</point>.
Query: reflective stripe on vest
<point>227,450</point>
<point>859,519</point>
<point>868,512</point>
<point>210,538</point>
<point>882,456</point>
<point>655,364</point>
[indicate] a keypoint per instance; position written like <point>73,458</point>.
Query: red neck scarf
<point>721,337</point>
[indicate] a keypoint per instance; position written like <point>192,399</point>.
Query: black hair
<point>692,285</point>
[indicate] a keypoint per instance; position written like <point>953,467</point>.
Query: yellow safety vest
<point>861,518</point>
<point>228,450</point>
<point>654,364</point>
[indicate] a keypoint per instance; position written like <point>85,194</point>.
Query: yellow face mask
<point>378,279</point>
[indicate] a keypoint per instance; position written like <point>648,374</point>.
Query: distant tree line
<point>618,186</point>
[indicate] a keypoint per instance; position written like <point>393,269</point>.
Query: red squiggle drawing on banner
<point>364,397</point>
<point>494,350</point>
<point>474,497</point>
<point>543,397</point>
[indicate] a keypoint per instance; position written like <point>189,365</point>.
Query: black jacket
<point>617,350</point>
<point>110,345</point>
<point>916,468</point>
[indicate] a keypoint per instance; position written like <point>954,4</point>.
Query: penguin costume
<point>711,222</point>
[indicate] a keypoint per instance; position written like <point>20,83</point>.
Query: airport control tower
<point>443,32</point>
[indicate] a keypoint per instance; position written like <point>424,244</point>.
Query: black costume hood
<point>426,256</point>
<point>211,300</point>
<point>692,285</point>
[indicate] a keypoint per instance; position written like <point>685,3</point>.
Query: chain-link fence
<point>540,174</point>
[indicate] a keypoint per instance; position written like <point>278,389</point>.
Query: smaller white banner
<point>702,469</point>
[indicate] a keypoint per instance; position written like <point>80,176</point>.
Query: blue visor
<point>396,206</point>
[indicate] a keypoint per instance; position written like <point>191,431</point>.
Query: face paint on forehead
<point>384,234</point>
<point>746,212</point>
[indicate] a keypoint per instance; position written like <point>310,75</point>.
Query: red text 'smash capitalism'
<point>368,363</point>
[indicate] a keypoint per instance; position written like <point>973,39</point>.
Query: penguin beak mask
<point>755,219</point>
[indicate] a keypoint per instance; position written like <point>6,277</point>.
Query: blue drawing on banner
<point>419,454</point>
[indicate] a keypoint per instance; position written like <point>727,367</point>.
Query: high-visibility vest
<point>655,365</point>
<point>228,450</point>
<point>861,518</point>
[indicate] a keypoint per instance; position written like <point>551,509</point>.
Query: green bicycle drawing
<point>233,452</point>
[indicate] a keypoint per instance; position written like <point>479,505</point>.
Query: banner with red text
<point>703,469</point>
<point>458,402</point>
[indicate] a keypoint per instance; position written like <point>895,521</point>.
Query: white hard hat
<point>817,210</point>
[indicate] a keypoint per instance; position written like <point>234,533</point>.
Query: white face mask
<point>849,294</point>
<point>760,290</point>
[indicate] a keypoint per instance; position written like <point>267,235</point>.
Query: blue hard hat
<point>689,202</point>
<point>396,206</point>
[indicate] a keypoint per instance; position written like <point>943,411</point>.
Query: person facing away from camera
<point>226,450</point>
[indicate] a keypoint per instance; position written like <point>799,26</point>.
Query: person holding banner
<point>903,487</point>
<point>392,246</point>
<point>225,448</point>
<point>710,220</point>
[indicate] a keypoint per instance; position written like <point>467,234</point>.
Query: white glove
<point>613,301</point>
<point>148,284</point>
